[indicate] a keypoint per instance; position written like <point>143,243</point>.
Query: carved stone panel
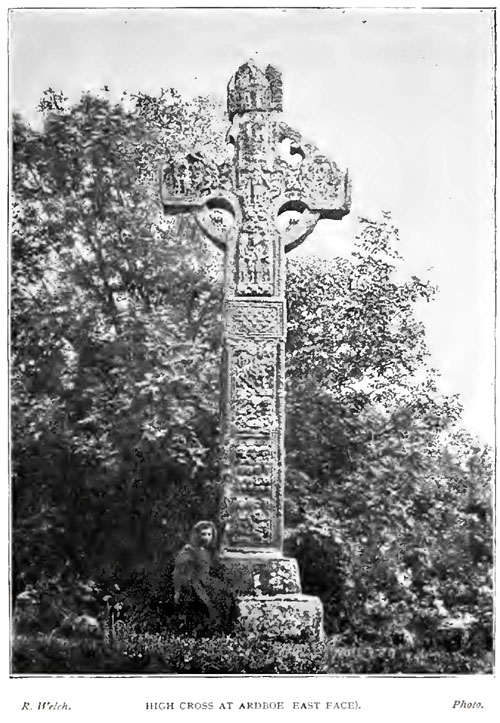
<point>263,319</point>
<point>251,520</point>
<point>252,401</point>
<point>254,266</point>
<point>253,463</point>
<point>250,483</point>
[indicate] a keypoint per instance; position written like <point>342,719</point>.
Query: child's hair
<point>195,533</point>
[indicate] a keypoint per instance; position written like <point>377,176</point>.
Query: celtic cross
<point>272,171</point>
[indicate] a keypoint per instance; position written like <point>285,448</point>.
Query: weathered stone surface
<point>251,574</point>
<point>286,617</point>
<point>252,88</point>
<point>273,171</point>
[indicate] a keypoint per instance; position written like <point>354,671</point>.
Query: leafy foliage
<point>114,350</point>
<point>389,501</point>
<point>167,654</point>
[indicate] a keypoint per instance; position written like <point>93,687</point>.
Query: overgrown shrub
<point>238,653</point>
<point>171,654</point>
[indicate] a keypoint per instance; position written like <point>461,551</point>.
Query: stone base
<point>282,617</point>
<point>253,573</point>
<point>268,597</point>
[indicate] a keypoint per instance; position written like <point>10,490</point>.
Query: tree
<point>114,365</point>
<point>379,501</point>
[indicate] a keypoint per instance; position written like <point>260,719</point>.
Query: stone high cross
<point>272,171</point>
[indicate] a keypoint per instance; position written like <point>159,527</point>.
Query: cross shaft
<point>273,171</point>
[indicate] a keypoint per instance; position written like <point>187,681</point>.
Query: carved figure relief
<point>251,520</point>
<point>254,275</point>
<point>252,451</point>
<point>246,484</point>
<point>252,467</point>
<point>255,369</point>
<point>253,388</point>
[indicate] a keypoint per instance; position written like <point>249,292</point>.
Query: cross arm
<point>189,185</point>
<point>312,185</point>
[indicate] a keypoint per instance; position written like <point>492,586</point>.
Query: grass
<point>156,654</point>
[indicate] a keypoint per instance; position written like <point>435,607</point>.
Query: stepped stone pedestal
<point>269,599</point>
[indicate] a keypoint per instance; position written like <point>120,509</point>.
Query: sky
<point>403,98</point>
